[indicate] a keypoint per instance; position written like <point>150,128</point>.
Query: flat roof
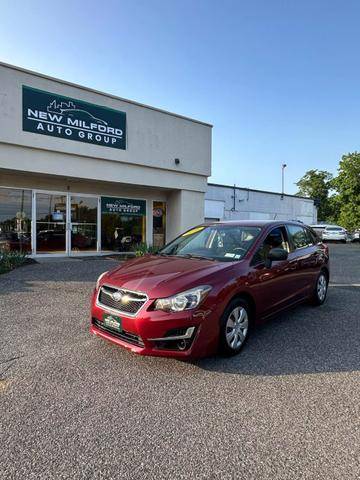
<point>99,92</point>
<point>255,190</point>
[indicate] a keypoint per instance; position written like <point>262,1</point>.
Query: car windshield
<point>225,243</point>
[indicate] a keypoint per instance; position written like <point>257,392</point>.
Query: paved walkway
<point>75,407</point>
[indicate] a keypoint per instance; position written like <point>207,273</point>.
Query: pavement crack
<point>7,365</point>
<point>10,359</point>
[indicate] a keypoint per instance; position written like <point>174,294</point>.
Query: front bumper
<point>188,334</point>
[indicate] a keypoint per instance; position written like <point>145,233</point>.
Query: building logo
<point>49,114</point>
<point>123,206</point>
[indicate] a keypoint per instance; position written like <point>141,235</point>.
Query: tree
<point>334,209</point>
<point>347,185</point>
<point>316,184</point>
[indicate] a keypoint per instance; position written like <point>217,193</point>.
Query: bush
<point>10,260</point>
<point>144,249</point>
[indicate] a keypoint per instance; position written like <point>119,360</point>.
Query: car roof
<point>255,223</point>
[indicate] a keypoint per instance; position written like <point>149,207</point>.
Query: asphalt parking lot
<point>73,406</point>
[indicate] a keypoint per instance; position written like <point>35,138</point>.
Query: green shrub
<point>10,260</point>
<point>142,249</point>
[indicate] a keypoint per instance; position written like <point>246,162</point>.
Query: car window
<point>299,236</point>
<point>317,230</point>
<point>314,235</point>
<point>276,238</point>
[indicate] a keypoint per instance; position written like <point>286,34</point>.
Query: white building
<point>84,172</point>
<point>223,202</point>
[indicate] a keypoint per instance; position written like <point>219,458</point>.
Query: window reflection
<point>122,233</point>
<point>159,224</point>
<point>15,219</point>
<point>50,223</point>
<point>84,223</point>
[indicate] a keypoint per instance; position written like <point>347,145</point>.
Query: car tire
<point>234,327</point>
<point>320,290</point>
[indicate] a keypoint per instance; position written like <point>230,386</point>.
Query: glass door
<point>159,224</point>
<point>84,224</point>
<point>51,218</point>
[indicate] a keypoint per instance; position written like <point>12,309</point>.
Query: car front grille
<point>129,303</point>
<point>123,335</point>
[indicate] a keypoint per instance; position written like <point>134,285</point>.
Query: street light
<point>283,166</point>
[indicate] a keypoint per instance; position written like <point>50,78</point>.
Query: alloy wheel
<point>237,326</point>
<point>321,287</point>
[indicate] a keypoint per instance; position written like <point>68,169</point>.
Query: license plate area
<point>112,322</point>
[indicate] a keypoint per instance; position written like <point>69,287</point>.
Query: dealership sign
<point>50,114</point>
<point>123,206</point>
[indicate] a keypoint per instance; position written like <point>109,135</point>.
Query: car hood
<point>159,276</point>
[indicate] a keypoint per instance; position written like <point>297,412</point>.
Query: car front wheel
<point>235,325</point>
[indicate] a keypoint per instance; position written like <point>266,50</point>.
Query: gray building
<point>224,202</point>
<point>83,172</point>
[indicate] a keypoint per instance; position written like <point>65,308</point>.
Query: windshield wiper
<point>199,257</point>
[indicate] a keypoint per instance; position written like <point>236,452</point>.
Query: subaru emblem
<point>117,296</point>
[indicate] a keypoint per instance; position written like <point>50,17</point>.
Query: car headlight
<point>184,300</point>
<point>98,280</point>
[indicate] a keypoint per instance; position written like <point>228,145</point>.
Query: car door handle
<point>293,264</point>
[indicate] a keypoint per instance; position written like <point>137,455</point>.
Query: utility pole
<point>283,166</point>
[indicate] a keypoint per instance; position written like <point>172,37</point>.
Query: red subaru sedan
<point>204,291</point>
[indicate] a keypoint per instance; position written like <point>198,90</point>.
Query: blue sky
<point>279,80</point>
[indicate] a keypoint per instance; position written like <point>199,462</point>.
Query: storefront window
<point>123,223</point>
<point>15,219</point>
<point>159,224</point>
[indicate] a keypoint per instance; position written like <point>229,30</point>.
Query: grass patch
<point>11,260</point>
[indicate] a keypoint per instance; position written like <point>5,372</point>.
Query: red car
<point>205,290</point>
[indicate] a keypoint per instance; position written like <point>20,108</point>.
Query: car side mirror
<point>276,255</point>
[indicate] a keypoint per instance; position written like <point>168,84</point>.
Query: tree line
<point>337,197</point>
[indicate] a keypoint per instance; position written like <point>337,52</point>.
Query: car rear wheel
<point>235,325</point>
<point>319,295</point>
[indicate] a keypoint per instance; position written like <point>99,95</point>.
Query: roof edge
<point>259,191</point>
<point>100,92</point>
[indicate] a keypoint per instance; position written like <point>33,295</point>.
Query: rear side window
<point>314,235</point>
<point>300,236</point>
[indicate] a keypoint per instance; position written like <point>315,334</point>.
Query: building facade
<point>83,172</point>
<point>223,202</point>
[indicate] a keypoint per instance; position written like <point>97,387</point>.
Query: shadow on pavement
<point>304,340</point>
